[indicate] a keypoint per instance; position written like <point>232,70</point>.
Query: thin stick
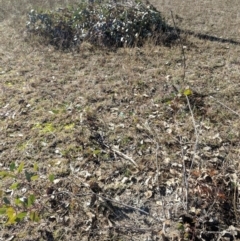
<point>121,154</point>
<point>157,165</point>
<point>110,200</point>
<point>196,133</point>
<point>125,205</point>
<point>113,201</point>
<point>124,156</point>
<point>236,113</point>
<point>158,171</point>
<point>185,179</point>
<point>182,48</point>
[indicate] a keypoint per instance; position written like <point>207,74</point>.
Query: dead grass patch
<point>68,112</point>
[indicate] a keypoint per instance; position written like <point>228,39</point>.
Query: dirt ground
<point>107,145</point>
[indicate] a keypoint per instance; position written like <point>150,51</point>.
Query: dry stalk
<point>182,48</point>
<point>125,205</point>
<point>196,133</point>
<point>107,199</point>
<point>219,102</point>
<point>185,177</point>
<point>157,167</point>
<point>123,155</point>
<point>158,172</point>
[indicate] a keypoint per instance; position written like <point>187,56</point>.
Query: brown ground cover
<point>130,156</point>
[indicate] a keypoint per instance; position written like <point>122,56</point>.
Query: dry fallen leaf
<point>148,194</point>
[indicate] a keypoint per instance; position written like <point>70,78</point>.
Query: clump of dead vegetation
<point>108,24</point>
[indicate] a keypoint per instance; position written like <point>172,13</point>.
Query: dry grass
<point>67,112</point>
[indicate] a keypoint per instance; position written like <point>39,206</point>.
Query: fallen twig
<point>125,156</point>
<point>122,155</point>
<point>219,102</point>
<point>110,200</point>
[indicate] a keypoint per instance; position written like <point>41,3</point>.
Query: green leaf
<point>31,200</point>
<point>51,177</point>
<point>12,166</point>
<point>96,152</point>
<point>11,215</point>
<point>18,201</point>
<point>187,92</point>
<point>35,167</point>
<point>180,226</point>
<point>4,174</point>
<point>3,211</point>
<point>69,126</point>
<point>34,178</point>
<point>34,216</point>
<point>48,127</point>
<point>21,216</point>
<point>28,175</point>
<point>20,167</point>
<point>6,201</point>
<point>14,186</point>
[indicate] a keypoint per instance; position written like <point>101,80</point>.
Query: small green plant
<point>45,128</point>
<point>18,198</point>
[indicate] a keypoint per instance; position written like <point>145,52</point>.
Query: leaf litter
<point>118,156</point>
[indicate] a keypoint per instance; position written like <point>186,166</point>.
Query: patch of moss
<point>68,127</point>
<point>45,128</point>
